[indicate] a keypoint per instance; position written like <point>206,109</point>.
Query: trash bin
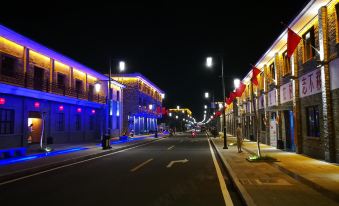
<point>105,142</point>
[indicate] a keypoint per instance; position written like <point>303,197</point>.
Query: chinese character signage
<point>286,92</point>
<point>310,83</point>
<point>272,98</point>
<point>261,101</point>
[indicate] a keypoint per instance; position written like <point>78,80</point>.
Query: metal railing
<point>28,81</point>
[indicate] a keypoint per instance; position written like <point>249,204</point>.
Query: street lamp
<point>122,66</point>
<point>209,63</point>
<point>178,107</point>
<point>170,114</point>
<point>176,117</point>
<point>205,106</point>
<point>236,83</point>
<point>207,95</point>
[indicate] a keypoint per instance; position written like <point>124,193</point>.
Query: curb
<point>30,171</point>
<point>247,199</point>
<point>328,193</point>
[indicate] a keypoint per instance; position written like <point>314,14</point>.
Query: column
<point>26,64</point>
<point>51,74</point>
<point>329,143</point>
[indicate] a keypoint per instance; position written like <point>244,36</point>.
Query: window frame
<point>60,122</point>
<point>309,48</point>
<point>312,125</point>
<point>8,122</point>
<point>8,72</point>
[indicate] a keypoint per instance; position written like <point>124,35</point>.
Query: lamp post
<point>209,64</point>
<point>97,86</point>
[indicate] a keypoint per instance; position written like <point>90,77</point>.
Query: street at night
<point>188,104</point>
<point>138,176</point>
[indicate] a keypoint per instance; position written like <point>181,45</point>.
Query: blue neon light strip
<point>41,155</point>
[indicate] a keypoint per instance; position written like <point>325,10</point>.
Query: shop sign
<point>310,83</point>
<point>272,98</point>
<point>286,92</point>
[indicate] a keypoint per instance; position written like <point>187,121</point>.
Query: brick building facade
<point>297,98</point>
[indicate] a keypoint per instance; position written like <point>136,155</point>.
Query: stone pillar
<point>26,64</point>
<point>71,79</point>
<point>51,74</point>
<point>329,143</point>
<point>296,102</point>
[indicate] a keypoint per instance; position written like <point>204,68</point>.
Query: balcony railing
<point>28,81</point>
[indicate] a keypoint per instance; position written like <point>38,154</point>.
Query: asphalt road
<point>138,176</point>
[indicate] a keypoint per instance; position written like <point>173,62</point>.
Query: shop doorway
<point>34,127</point>
<point>289,128</point>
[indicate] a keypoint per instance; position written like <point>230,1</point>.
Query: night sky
<point>167,42</point>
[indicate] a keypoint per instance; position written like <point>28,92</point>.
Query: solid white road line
<point>141,165</point>
<point>68,165</point>
<point>171,147</point>
<point>225,193</point>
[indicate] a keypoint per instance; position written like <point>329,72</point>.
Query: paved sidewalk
<point>86,151</point>
<point>269,184</point>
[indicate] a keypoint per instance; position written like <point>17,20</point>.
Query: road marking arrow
<point>176,161</point>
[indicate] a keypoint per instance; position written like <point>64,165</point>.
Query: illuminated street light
<point>122,66</point>
<point>236,83</point>
<point>209,62</point>
<point>207,95</point>
<point>205,106</point>
<point>178,107</point>
<point>176,117</point>
<point>205,112</point>
<point>170,114</point>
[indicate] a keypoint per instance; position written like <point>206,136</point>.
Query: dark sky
<point>167,41</point>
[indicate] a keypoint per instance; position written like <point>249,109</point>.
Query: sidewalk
<point>64,154</point>
<point>293,180</point>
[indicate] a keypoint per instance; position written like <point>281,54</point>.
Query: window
<point>272,71</point>
<point>309,44</point>
<point>118,123</point>
<point>60,122</point>
<point>7,65</point>
<point>287,64</point>
<point>78,122</point>
<point>78,86</point>
<point>118,96</point>
<point>6,121</point>
<point>61,81</point>
<point>91,122</point>
<point>312,121</point>
<point>90,92</point>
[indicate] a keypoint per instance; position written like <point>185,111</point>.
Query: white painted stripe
<point>171,147</point>
<point>68,165</point>
<point>141,165</point>
<point>225,193</point>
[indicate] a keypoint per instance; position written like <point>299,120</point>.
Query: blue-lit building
<point>142,103</point>
<point>59,96</point>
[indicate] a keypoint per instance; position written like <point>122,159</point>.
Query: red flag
<point>228,101</point>
<point>240,89</point>
<point>158,110</point>
<point>232,95</point>
<point>163,110</point>
<point>255,72</point>
<point>218,113</point>
<point>293,40</point>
